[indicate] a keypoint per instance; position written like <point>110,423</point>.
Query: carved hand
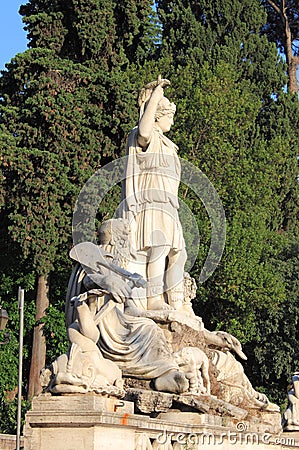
<point>117,287</point>
<point>158,93</point>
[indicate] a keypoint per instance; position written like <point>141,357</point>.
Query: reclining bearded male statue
<point>107,336</point>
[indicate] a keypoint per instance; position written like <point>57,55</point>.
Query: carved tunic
<point>150,194</point>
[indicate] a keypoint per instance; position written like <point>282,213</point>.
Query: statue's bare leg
<point>174,278</point>
<point>155,277</point>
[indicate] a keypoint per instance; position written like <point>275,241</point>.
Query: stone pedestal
<point>78,422</point>
<point>89,422</point>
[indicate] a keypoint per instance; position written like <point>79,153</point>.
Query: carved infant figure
<point>195,365</point>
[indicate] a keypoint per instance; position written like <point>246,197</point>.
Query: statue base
<point>91,421</point>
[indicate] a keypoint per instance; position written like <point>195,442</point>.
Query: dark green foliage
<point>210,31</point>
<point>278,344</point>
<point>99,30</point>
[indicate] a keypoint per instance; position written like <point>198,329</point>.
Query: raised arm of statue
<point>150,99</point>
<point>147,120</point>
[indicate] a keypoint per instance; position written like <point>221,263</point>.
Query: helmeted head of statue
<point>164,108</point>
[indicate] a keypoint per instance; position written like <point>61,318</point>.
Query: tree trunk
<point>291,59</point>
<point>292,73</point>
<point>38,357</point>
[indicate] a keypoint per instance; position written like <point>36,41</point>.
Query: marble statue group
<point>129,297</point>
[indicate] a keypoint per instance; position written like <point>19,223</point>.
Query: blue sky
<point>12,36</point>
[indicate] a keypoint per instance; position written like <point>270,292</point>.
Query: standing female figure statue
<point>150,200</point>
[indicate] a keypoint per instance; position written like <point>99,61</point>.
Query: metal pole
<point>21,313</point>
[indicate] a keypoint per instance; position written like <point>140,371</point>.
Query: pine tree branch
<point>275,7</point>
